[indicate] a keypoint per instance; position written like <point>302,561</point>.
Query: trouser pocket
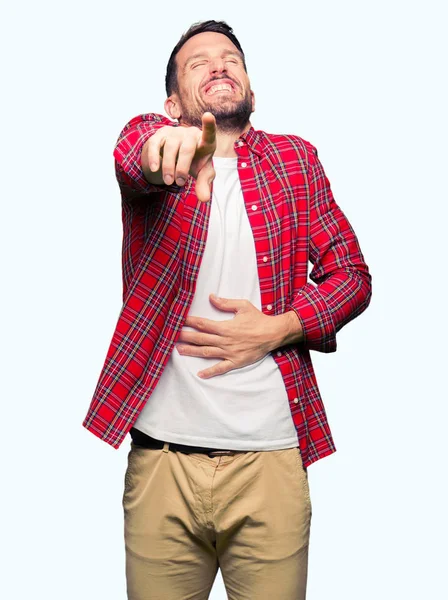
<point>303,475</point>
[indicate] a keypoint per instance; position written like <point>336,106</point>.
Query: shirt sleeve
<point>343,282</point>
<point>128,152</point>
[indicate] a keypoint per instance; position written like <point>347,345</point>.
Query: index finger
<point>208,129</point>
<point>203,324</point>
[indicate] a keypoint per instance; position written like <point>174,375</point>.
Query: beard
<point>231,117</point>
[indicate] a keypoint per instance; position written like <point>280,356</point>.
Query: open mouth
<point>218,87</point>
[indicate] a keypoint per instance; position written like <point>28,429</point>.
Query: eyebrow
<point>224,53</point>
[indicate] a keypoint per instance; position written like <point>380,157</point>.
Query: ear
<point>253,100</point>
<point>172,107</point>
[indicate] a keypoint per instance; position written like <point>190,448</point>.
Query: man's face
<point>211,77</point>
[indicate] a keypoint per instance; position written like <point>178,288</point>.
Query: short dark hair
<point>171,84</point>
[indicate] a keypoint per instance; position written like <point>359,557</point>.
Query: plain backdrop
<point>365,83</point>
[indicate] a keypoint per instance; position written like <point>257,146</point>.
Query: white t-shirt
<point>246,408</point>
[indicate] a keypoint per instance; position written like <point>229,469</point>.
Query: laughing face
<point>211,77</point>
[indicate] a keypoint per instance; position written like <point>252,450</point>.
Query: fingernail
<point>168,179</point>
<point>180,181</point>
<point>153,166</point>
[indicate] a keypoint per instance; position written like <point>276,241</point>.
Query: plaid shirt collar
<point>254,140</point>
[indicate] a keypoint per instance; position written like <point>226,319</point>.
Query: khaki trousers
<point>186,515</point>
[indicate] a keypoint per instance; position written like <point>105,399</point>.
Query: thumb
<point>204,182</point>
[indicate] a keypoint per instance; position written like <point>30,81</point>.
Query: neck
<point>225,142</point>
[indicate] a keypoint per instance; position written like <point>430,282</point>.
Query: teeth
<point>219,87</point>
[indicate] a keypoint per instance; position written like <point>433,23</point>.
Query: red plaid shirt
<point>294,219</point>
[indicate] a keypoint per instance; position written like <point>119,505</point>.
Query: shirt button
<point>296,400</point>
<point>244,165</point>
<point>265,259</point>
<point>240,143</point>
<point>279,353</point>
<point>269,306</point>
<point>254,207</point>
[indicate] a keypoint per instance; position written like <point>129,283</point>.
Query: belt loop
<point>166,446</point>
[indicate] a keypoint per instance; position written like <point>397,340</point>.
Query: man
<point>209,366</point>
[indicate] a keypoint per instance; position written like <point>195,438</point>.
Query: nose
<point>217,65</point>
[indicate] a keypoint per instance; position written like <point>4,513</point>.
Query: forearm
<point>324,309</point>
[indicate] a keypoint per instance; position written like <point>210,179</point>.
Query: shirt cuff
<point>319,332</point>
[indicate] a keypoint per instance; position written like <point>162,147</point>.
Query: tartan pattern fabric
<point>294,220</point>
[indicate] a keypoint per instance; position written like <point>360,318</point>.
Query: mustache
<point>219,79</point>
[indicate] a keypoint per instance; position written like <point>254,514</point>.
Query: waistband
<point>142,439</point>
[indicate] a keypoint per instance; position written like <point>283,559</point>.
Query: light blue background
<point>365,83</point>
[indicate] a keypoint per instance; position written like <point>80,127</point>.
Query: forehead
<point>205,43</point>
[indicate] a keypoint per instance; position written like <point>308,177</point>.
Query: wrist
<point>288,329</point>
